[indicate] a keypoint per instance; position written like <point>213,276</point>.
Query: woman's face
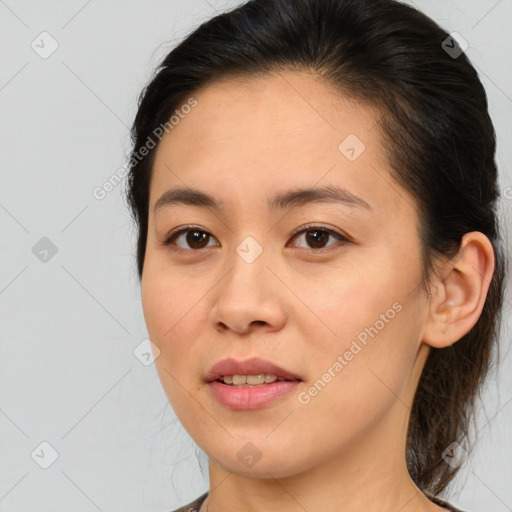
<point>339,304</point>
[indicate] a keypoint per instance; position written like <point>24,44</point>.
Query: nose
<point>249,297</point>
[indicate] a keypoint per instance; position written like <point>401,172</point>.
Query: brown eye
<point>316,237</point>
<point>197,239</point>
<point>189,239</point>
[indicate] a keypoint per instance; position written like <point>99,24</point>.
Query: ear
<point>461,285</point>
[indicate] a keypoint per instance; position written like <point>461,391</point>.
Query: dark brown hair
<point>440,144</point>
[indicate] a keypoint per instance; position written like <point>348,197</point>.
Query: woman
<point>319,253</point>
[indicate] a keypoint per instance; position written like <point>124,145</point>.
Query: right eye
<point>195,237</point>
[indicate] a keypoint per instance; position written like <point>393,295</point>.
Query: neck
<point>370,476</point>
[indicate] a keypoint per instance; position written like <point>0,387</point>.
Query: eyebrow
<point>288,199</point>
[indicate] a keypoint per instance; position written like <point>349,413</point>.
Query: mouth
<point>250,385</point>
<point>260,379</point>
<point>252,372</point>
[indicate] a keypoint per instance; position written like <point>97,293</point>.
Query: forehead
<point>248,135</point>
<point>285,110</point>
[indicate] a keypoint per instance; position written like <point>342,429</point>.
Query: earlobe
<point>461,290</point>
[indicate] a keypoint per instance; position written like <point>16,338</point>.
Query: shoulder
<point>445,504</point>
<point>194,506</point>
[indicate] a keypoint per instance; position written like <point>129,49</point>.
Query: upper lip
<point>252,366</point>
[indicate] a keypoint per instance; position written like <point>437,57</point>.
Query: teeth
<point>251,380</point>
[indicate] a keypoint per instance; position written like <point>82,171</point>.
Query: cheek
<point>362,334</point>
<point>362,375</point>
<point>168,297</point>
<point>343,303</point>
<point>158,302</point>
<point>170,305</point>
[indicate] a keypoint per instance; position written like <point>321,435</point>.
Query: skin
<point>345,449</point>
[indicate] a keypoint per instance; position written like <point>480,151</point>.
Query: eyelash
<point>303,229</point>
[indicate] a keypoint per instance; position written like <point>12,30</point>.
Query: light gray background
<point>68,326</point>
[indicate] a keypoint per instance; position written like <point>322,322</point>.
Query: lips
<point>252,366</point>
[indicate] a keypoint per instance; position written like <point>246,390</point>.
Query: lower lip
<point>251,397</point>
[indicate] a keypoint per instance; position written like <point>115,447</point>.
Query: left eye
<point>315,236</point>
